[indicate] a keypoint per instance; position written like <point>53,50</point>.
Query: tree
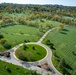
<point>7,45</point>
<point>9,9</point>
<point>33,48</point>
<point>1,36</point>
<point>20,54</point>
<point>55,54</point>
<point>62,63</point>
<point>18,10</point>
<point>60,27</point>
<point>8,69</point>
<point>3,40</point>
<point>24,46</point>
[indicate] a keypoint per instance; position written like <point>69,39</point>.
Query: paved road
<point>42,38</point>
<point>33,65</point>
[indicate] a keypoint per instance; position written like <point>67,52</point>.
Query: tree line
<point>49,12</point>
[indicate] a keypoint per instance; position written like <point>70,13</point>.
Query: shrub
<point>3,40</point>
<point>7,45</point>
<point>24,46</point>
<point>62,63</point>
<point>1,36</point>
<point>42,20</point>
<point>60,27</point>
<point>20,55</point>
<point>33,48</point>
<point>8,69</point>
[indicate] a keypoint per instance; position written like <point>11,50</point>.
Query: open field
<point>31,53</point>
<point>64,45</point>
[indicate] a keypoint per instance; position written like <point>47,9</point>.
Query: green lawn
<point>14,69</point>
<point>64,43</point>
<point>19,33</point>
<point>30,54</point>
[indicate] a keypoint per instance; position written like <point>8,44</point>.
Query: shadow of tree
<point>38,53</point>
<point>65,72</point>
<point>4,26</point>
<point>68,66</point>
<point>52,46</point>
<point>74,53</point>
<point>65,30</point>
<point>63,33</point>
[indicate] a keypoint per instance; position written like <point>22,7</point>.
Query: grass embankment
<point>10,69</point>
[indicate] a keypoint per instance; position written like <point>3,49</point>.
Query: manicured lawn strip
<point>31,54</point>
<point>65,44</point>
<point>15,70</point>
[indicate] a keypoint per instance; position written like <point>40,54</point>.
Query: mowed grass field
<point>14,69</point>
<point>31,53</point>
<point>64,44</point>
<point>19,33</point>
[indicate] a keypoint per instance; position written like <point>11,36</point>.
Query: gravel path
<point>33,65</point>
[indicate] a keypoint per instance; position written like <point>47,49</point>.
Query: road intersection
<point>34,65</point>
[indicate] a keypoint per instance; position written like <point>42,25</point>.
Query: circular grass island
<point>30,52</point>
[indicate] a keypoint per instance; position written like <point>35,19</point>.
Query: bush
<point>62,63</point>
<point>20,55</point>
<point>1,36</point>
<point>8,69</point>
<point>7,45</point>
<point>3,40</point>
<point>24,46</point>
<point>41,20</point>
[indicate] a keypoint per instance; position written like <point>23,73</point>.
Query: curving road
<point>33,65</point>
